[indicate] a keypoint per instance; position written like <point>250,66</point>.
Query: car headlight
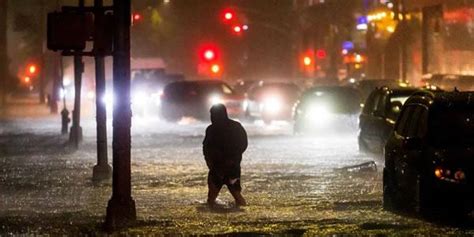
<point>272,104</point>
<point>139,98</point>
<point>108,100</point>
<point>215,99</point>
<point>318,112</point>
<point>156,97</point>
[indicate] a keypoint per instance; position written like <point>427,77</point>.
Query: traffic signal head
<point>228,15</point>
<point>321,53</point>
<point>209,55</point>
<point>136,17</point>
<point>215,68</point>
<point>237,29</point>
<point>32,69</point>
<point>307,61</point>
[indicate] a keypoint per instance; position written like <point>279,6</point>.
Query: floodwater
<point>294,185</point>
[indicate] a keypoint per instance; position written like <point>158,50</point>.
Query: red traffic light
<point>209,55</point>
<point>237,29</point>
<point>228,15</point>
<point>321,53</point>
<point>137,17</point>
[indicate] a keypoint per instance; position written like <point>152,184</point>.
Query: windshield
<point>339,101</point>
<point>452,127</point>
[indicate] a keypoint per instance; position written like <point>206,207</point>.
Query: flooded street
<point>293,184</point>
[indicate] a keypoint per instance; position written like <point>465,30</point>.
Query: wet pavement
<point>294,185</point>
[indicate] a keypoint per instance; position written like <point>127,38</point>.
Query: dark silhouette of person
<point>223,146</point>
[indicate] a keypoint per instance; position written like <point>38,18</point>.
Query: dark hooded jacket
<point>224,143</point>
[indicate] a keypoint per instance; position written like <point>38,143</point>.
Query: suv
<point>381,110</point>
<point>429,155</point>
<point>195,98</point>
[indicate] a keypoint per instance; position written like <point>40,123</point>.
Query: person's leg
<point>213,189</point>
<point>236,191</point>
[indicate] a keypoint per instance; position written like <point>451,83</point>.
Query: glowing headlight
<point>108,100</point>
<point>272,104</point>
<point>215,99</point>
<point>157,97</point>
<point>318,115</point>
<point>139,98</point>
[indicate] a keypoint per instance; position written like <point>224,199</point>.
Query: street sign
<point>69,30</point>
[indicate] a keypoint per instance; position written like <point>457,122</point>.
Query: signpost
<point>68,31</point>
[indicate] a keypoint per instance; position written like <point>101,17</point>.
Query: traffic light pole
<point>75,137</point>
<point>102,170</point>
<point>3,53</point>
<point>121,207</point>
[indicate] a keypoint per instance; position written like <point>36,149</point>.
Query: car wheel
<point>389,199</point>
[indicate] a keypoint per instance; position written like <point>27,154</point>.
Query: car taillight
<point>450,175</point>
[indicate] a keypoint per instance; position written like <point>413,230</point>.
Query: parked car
<point>271,101</point>
<point>366,86</point>
<point>194,99</point>
<point>429,155</point>
<point>333,108</point>
<point>376,121</point>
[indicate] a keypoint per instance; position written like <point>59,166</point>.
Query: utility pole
<point>121,207</point>
<point>76,131</point>
<point>42,76</point>
<point>102,170</point>
<point>3,52</point>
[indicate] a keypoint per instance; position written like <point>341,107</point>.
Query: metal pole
<point>42,76</point>
<point>3,52</point>
<point>121,207</point>
<point>76,131</point>
<point>102,170</point>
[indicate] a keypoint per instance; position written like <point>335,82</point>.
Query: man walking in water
<point>223,146</point>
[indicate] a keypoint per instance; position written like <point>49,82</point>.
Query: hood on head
<point>218,114</point>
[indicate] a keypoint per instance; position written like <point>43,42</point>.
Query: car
<point>146,88</point>
<point>429,164</point>
<point>271,101</point>
<point>366,86</point>
<point>376,121</point>
<point>329,108</point>
<point>242,86</point>
<point>195,98</point>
